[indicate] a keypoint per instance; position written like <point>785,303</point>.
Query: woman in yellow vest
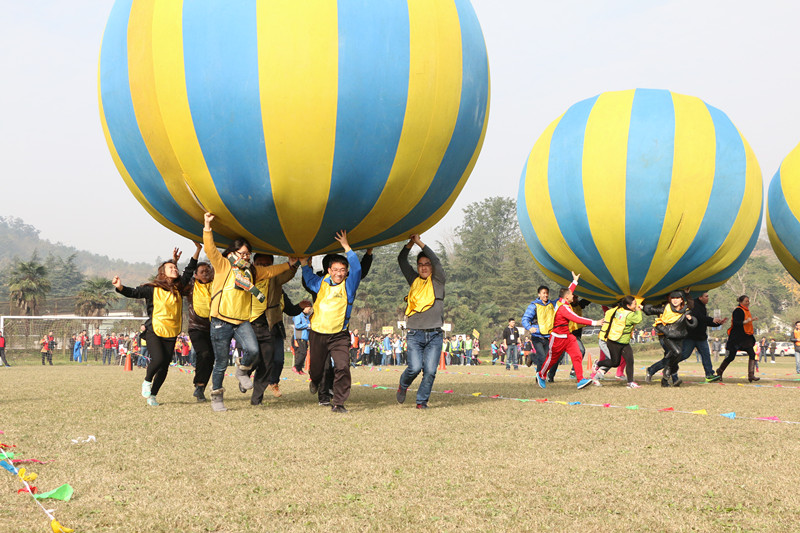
<point>232,290</point>
<point>617,337</point>
<point>672,327</point>
<point>741,336</point>
<point>425,317</point>
<point>198,297</point>
<point>162,297</point>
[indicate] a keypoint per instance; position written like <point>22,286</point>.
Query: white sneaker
<point>633,385</point>
<point>620,378</point>
<point>146,385</point>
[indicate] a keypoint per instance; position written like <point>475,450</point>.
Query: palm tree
<point>28,285</point>
<point>94,297</point>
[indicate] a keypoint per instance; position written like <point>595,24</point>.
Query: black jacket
<point>700,331</point>
<point>678,329</point>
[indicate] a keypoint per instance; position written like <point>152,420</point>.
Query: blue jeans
<point>688,345</point>
<point>705,354</point>
<point>512,357</point>
<point>424,351</point>
<point>221,334</point>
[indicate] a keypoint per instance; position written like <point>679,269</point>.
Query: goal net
<point>25,333</point>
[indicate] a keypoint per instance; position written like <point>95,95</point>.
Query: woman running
<point>741,337</point>
<point>232,291</point>
<point>672,327</point>
<point>164,311</point>
<point>618,337</point>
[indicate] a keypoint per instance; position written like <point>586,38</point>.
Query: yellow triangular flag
<point>357,383</point>
<point>477,393</point>
<point>700,412</point>
<point>58,528</point>
<point>562,403</point>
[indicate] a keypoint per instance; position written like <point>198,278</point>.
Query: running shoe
<point>540,380</point>
<point>146,385</point>
<point>584,382</point>
<point>401,394</point>
<point>713,378</point>
<point>633,385</point>
<point>648,376</point>
<point>151,401</point>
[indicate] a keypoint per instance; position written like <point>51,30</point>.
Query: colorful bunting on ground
<point>666,409</point>
<point>730,415</point>
<point>64,492</point>
<point>700,412</point>
<point>632,407</point>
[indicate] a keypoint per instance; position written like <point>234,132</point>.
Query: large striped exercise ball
<point>642,192</point>
<point>783,213</point>
<point>290,120</point>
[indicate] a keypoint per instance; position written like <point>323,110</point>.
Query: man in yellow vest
<point>538,321</point>
<point>329,337</point>
<point>425,317</point>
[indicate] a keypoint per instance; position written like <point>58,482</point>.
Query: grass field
<point>470,463</point>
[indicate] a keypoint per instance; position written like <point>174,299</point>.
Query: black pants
<point>618,352</point>
<point>672,354</point>
<point>49,356</point>
<point>108,353</point>
<point>541,346</point>
<point>161,350</point>
<point>201,341</point>
<point>730,354</point>
<point>300,354</point>
<point>324,346</point>
<point>3,357</point>
<point>268,342</point>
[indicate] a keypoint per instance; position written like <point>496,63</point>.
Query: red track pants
<point>557,348</point>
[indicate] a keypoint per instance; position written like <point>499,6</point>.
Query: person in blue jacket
<point>329,337</point>
<point>301,327</point>
<point>538,321</point>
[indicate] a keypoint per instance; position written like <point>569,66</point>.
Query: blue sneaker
<point>540,380</point>
<point>151,401</point>
<point>584,382</point>
<point>146,389</point>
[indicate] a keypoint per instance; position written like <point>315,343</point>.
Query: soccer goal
<point>25,333</point>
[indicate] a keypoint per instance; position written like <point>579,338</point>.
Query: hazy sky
<point>544,56</point>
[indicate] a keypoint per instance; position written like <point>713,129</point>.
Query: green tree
<point>28,285</point>
<point>65,276</point>
<point>94,297</point>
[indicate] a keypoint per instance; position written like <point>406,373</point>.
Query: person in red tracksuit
<point>562,341</point>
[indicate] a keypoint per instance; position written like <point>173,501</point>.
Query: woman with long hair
<point>741,337</point>
<point>164,303</point>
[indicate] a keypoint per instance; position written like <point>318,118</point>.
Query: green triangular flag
<point>632,407</point>
<point>64,493</point>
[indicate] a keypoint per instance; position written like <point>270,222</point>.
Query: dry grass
<point>466,464</point>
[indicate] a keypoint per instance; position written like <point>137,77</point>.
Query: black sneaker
<point>199,393</point>
<point>338,409</point>
<point>313,387</point>
<point>325,402</point>
<point>242,389</point>
<point>401,394</point>
<point>713,378</point>
<point>422,406</point>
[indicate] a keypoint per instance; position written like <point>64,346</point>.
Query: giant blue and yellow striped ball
<point>290,120</point>
<point>642,192</point>
<point>783,213</point>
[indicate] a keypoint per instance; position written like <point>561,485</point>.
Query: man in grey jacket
<point>425,317</point>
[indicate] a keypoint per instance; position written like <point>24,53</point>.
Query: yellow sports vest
<point>606,323</point>
<point>420,296</point>
<point>257,308</point>
<point>668,316</point>
<point>545,315</point>
<point>330,308</point>
<point>578,311</point>
<point>234,303</point>
<point>201,299</point>
<point>167,313</point>
<point>618,324</point>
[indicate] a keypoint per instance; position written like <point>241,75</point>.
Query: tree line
<point>491,277</point>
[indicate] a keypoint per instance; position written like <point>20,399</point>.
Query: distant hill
<point>20,241</point>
